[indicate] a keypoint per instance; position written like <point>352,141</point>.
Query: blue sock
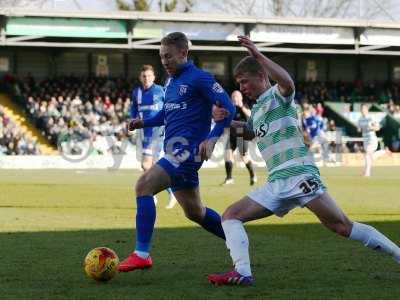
<point>212,223</point>
<point>145,219</point>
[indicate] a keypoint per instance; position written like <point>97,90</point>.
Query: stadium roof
<point>198,17</point>
<point>143,30</point>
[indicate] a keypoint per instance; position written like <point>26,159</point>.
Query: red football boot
<point>230,278</point>
<point>133,262</point>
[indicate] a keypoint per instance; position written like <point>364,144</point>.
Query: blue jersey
<point>147,103</point>
<point>189,97</point>
<point>313,125</point>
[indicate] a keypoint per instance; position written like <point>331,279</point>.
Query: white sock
<point>372,238</point>
<point>142,254</point>
<point>368,164</point>
<point>238,245</point>
<point>172,201</point>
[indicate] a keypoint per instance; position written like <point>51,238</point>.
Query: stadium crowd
<point>348,92</point>
<point>82,108</point>
<point>74,108</point>
<point>12,140</point>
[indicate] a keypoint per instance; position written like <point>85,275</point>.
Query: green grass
<point>49,220</point>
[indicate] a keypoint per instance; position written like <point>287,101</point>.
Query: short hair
<point>147,68</point>
<point>178,39</point>
<point>248,65</point>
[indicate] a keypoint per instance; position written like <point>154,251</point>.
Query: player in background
<point>313,126</point>
<point>293,180</point>
<point>368,127</point>
<point>190,94</point>
<point>234,142</point>
<point>147,100</point>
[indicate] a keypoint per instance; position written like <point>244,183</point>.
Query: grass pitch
<point>49,220</point>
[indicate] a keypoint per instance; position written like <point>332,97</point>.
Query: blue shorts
<point>184,175</point>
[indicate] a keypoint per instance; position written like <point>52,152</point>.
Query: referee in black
<point>234,142</point>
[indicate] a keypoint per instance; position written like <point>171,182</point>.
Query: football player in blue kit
<point>313,126</point>
<point>147,101</point>
<point>190,94</point>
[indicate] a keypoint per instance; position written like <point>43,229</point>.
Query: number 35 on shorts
<point>309,185</point>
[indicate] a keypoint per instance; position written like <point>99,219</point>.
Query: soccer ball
<point>101,264</point>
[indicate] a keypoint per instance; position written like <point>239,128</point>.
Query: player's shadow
<point>296,261</point>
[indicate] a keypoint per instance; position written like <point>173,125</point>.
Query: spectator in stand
<point>12,140</point>
<point>74,107</point>
<point>53,103</point>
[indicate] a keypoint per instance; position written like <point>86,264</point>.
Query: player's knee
<point>146,164</point>
<point>194,215</point>
<point>230,214</point>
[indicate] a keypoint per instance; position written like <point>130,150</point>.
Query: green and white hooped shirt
<point>366,125</point>
<point>280,141</point>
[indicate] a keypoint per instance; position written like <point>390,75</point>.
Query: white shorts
<point>282,195</point>
<point>320,139</point>
<point>370,145</point>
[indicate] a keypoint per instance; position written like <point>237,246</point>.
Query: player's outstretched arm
<point>223,102</point>
<point>246,110</point>
<point>273,70</point>
<point>215,95</point>
<point>156,121</point>
<point>221,122</point>
<point>219,113</point>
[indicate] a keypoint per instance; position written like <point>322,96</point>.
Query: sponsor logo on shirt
<point>148,107</point>
<point>183,89</point>
<point>174,106</point>
<point>217,88</point>
<point>262,130</point>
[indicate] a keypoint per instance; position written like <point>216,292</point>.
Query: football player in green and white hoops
<point>294,180</point>
<point>368,127</point>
